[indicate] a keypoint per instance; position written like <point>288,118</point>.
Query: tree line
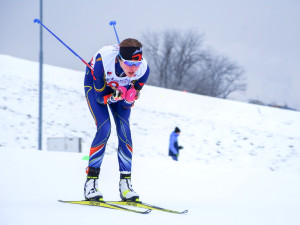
<point>178,60</point>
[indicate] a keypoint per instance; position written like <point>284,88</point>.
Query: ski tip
<point>147,211</point>
<point>62,201</point>
<point>185,211</point>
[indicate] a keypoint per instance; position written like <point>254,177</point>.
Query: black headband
<point>131,53</point>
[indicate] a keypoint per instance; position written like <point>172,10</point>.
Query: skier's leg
<point>102,120</point>
<point>174,157</point>
<point>101,117</point>
<point>121,117</point>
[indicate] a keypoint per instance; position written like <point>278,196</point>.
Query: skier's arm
<point>134,92</point>
<point>138,84</point>
<point>102,92</point>
<point>176,145</point>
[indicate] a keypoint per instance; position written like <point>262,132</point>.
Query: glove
<point>131,95</point>
<point>180,147</point>
<point>119,94</point>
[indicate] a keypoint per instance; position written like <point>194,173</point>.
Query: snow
<point>240,163</point>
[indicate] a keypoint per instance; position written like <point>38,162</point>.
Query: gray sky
<point>261,36</point>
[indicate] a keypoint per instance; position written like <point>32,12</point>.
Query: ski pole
<point>113,23</point>
<point>88,65</point>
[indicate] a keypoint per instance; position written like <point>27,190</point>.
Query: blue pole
<point>113,23</point>
<point>39,21</point>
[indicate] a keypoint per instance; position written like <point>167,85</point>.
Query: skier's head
<point>131,49</point>
<point>130,56</point>
<point>177,130</point>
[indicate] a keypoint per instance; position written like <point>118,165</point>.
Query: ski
<point>144,205</point>
<point>105,205</point>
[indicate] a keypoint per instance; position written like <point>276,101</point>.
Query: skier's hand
<point>180,147</point>
<point>119,94</point>
<point>131,95</point>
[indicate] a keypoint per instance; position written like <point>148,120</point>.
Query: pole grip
<point>113,23</point>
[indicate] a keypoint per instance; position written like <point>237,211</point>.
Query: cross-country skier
<point>119,74</point>
<point>173,144</point>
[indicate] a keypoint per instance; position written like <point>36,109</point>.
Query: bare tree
<point>171,55</point>
<point>179,61</point>
<point>220,77</point>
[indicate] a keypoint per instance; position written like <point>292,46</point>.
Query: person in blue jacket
<point>173,144</point>
<point>119,73</point>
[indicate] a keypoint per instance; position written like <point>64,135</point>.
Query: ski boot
<point>91,191</point>
<point>125,188</point>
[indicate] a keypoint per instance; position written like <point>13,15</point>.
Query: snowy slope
<point>214,131</point>
<point>239,165</point>
<point>32,182</point>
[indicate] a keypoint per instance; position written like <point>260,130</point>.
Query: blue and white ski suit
<point>98,86</point>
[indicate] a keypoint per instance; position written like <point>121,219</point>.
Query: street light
<point>41,81</point>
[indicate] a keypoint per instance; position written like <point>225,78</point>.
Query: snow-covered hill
<point>214,131</point>
<point>240,163</point>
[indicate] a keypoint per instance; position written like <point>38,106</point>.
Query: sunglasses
<point>130,62</point>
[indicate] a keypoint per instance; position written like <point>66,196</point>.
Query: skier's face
<point>129,70</point>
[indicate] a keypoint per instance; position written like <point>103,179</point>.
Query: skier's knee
<point>104,130</point>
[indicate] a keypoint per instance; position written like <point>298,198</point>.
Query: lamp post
<point>41,81</point>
